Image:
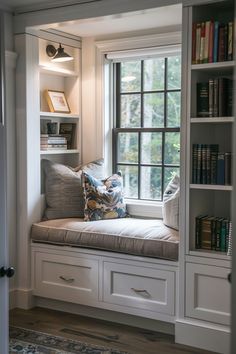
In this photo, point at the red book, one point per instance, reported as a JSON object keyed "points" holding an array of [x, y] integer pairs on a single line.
{"points": [[198, 42], [211, 42], [194, 29]]}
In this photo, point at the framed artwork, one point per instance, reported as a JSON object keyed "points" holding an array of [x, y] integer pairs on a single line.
{"points": [[57, 101]]}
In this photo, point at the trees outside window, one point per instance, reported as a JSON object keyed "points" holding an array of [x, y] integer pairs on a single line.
{"points": [[146, 137]]}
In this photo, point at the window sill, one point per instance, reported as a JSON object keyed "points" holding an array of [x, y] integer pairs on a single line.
{"points": [[142, 208]]}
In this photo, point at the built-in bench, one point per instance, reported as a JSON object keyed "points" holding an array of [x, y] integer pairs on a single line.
{"points": [[127, 265]]}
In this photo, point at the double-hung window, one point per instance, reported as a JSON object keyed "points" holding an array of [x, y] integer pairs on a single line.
{"points": [[146, 133]]}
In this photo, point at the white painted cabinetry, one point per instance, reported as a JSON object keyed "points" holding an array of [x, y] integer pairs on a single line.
{"points": [[204, 303]]}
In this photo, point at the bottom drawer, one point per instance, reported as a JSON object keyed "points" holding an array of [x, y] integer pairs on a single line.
{"points": [[144, 288], [66, 278]]}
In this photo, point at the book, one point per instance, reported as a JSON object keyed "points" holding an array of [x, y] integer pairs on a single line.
{"points": [[194, 29], [211, 42], [206, 42], [68, 130], [198, 230], [198, 42], [215, 97], [229, 95], [206, 233], [202, 42], [230, 41], [228, 164], [211, 97], [213, 164], [222, 44], [220, 179], [194, 163], [216, 41], [202, 99], [203, 178]]}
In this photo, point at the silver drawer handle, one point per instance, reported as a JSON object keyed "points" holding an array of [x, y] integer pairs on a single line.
{"points": [[68, 280], [141, 292]]}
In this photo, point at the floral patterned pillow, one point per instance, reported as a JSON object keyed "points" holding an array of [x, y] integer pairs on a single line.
{"points": [[103, 198]]}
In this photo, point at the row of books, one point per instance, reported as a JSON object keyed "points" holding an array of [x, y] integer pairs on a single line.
{"points": [[52, 142], [60, 134], [212, 233], [212, 42], [209, 166], [215, 98]]}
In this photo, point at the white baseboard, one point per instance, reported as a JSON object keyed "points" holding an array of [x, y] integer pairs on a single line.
{"points": [[106, 315], [21, 298], [203, 335]]}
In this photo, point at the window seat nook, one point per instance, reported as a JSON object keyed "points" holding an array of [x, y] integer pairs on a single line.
{"points": [[127, 265], [126, 235]]}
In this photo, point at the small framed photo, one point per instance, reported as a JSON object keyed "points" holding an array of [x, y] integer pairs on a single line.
{"points": [[57, 101]]}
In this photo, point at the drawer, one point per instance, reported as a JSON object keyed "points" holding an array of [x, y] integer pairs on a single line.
{"points": [[139, 287], [207, 293], [66, 278]]}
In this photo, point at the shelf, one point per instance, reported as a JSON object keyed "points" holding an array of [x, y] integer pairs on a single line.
{"points": [[53, 70], [210, 254], [45, 115], [212, 120], [59, 152], [216, 187], [223, 65]]}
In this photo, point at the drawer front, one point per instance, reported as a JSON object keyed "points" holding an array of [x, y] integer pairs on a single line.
{"points": [[66, 278], [207, 293], [144, 288]]}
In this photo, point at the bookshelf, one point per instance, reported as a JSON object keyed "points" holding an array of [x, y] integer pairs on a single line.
{"points": [[63, 143], [207, 132]]}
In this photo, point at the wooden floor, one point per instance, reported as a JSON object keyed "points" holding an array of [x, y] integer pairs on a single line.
{"points": [[111, 335]]}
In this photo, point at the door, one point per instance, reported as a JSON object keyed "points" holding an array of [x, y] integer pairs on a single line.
{"points": [[3, 239]]}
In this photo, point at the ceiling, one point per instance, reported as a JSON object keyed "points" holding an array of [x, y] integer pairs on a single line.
{"points": [[127, 22], [149, 19]]}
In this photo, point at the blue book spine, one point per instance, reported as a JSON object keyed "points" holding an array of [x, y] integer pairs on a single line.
{"points": [[216, 41]]}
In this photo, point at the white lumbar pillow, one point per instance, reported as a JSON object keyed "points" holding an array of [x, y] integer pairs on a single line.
{"points": [[170, 208]]}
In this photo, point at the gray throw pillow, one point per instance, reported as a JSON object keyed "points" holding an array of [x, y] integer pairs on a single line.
{"points": [[64, 190], [170, 207]]}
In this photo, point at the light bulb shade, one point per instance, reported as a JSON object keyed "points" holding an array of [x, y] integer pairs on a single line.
{"points": [[61, 56]]}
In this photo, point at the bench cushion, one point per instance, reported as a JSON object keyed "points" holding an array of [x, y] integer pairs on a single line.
{"points": [[129, 235]]}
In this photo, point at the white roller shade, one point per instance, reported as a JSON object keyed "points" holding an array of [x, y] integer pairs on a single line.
{"points": [[127, 55]]}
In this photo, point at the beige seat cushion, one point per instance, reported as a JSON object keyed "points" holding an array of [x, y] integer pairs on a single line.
{"points": [[129, 235]]}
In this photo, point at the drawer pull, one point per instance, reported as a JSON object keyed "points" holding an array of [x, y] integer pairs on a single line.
{"points": [[68, 280], [142, 292]]}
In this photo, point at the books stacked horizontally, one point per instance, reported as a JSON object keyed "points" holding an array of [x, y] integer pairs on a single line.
{"points": [[209, 166], [52, 142], [215, 98], [212, 42], [212, 233]]}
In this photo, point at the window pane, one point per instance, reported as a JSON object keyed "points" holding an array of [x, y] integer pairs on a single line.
{"points": [[127, 148], [151, 183], [173, 109], [131, 76], [154, 74], [151, 151], [130, 180], [172, 147], [130, 111], [174, 73], [169, 173], [153, 109]]}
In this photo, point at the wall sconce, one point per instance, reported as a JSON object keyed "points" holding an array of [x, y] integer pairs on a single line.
{"points": [[57, 55]]}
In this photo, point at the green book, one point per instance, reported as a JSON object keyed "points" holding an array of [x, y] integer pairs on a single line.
{"points": [[202, 99]]}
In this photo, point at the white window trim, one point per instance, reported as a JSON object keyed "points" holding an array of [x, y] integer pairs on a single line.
{"points": [[103, 113]]}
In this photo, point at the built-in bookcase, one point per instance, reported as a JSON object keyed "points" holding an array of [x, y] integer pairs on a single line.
{"points": [[64, 77], [211, 198]]}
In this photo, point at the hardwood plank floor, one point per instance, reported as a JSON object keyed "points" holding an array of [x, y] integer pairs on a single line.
{"points": [[93, 331]]}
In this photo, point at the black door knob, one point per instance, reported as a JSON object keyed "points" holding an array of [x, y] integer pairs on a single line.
{"points": [[229, 277], [9, 272]]}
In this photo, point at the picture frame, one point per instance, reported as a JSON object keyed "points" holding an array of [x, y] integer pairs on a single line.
{"points": [[57, 101]]}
